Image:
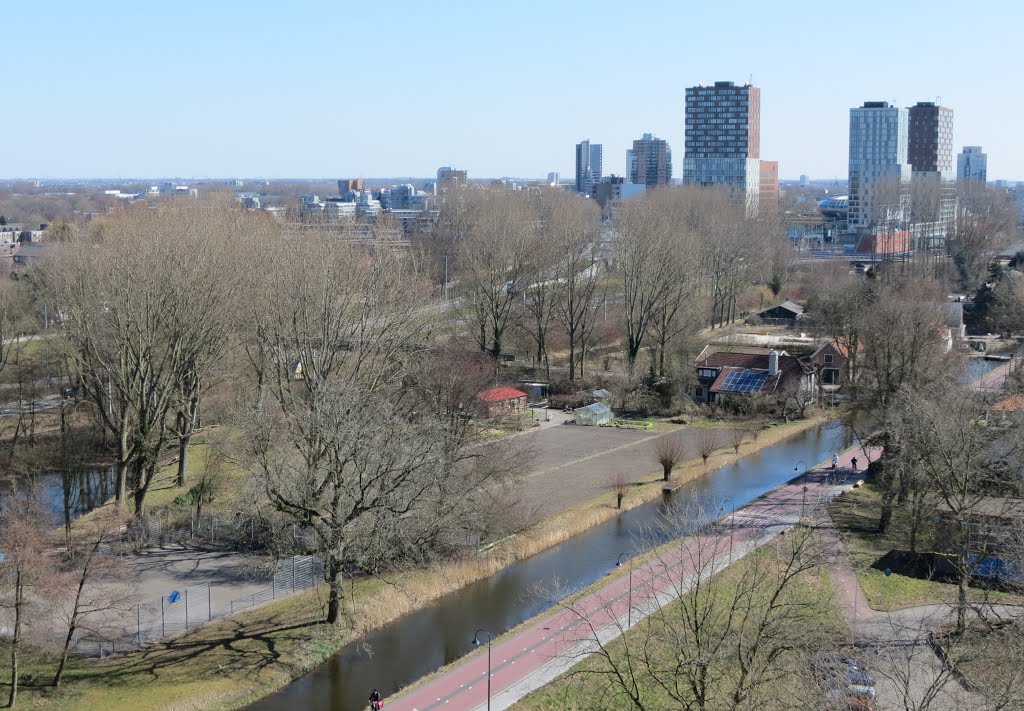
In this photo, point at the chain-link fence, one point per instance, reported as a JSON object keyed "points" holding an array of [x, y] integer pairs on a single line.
{"points": [[193, 607]]}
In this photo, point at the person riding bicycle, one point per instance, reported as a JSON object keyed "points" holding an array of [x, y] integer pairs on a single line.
{"points": [[375, 704]]}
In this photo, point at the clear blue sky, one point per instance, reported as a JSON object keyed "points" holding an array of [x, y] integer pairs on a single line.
{"points": [[358, 89]]}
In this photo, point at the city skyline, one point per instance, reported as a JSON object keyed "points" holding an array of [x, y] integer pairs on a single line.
{"points": [[247, 91]]}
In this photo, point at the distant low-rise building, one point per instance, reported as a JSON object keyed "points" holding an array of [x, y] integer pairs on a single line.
{"points": [[449, 178], [972, 165], [612, 191], [248, 200], [831, 363], [784, 314]]}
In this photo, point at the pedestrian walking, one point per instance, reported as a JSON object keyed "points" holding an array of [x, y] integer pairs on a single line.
{"points": [[835, 460], [854, 463]]}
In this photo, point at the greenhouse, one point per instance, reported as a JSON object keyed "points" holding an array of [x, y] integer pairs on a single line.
{"points": [[596, 414]]}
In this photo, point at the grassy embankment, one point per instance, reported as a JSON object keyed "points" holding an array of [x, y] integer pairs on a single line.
{"points": [[232, 662], [820, 625], [912, 582]]}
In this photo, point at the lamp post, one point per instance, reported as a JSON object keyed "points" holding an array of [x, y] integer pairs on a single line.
{"points": [[732, 523], [477, 642], [629, 611], [803, 503]]}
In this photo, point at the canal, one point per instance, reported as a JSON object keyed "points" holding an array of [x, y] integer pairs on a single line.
{"points": [[417, 644]]}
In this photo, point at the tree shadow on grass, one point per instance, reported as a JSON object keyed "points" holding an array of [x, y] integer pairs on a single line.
{"points": [[910, 565], [227, 649], [232, 648]]}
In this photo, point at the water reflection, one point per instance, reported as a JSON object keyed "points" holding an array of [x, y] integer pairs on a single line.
{"points": [[66, 495]]}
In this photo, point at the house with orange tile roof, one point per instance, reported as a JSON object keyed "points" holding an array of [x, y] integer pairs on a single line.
{"points": [[502, 401]]}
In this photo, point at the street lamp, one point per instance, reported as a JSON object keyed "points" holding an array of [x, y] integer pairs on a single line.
{"points": [[803, 503], [629, 611], [797, 467], [732, 523], [477, 642]]}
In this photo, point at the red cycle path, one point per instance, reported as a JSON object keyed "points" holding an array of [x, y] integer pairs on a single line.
{"points": [[557, 640], [994, 379]]}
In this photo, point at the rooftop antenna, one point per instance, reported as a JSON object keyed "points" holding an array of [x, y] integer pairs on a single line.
{"points": [[750, 79], [938, 100]]}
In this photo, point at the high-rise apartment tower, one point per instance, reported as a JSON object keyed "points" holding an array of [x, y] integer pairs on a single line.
{"points": [[588, 166], [879, 171], [723, 139], [650, 162]]}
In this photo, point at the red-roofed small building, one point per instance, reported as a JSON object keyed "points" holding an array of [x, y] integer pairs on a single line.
{"points": [[502, 401], [1013, 403]]}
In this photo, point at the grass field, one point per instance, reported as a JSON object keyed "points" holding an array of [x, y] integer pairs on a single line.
{"points": [[912, 581]]}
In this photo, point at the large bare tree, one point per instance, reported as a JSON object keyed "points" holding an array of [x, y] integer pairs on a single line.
{"points": [[642, 241], [347, 443], [986, 220], [574, 230], [143, 300], [495, 261], [708, 639]]}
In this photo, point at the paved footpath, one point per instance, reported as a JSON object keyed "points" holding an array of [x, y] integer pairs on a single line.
{"points": [[994, 379], [543, 649]]}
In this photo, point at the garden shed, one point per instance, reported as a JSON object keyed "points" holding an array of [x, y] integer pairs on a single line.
{"points": [[593, 415]]}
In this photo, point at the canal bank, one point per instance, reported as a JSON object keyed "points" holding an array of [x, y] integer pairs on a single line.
{"points": [[233, 662], [420, 642]]}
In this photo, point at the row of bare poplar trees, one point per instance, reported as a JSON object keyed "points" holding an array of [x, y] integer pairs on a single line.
{"points": [[543, 261]]}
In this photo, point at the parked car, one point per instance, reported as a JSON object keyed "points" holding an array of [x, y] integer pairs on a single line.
{"points": [[860, 677], [862, 692]]}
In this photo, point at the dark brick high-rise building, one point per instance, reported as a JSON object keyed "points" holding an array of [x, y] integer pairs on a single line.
{"points": [[933, 191], [930, 147], [723, 139]]}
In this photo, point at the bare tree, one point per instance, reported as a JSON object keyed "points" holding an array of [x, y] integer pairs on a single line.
{"points": [[619, 484], [737, 436], [967, 465], [985, 222], [26, 571], [838, 310], [141, 323], [707, 641], [87, 574], [707, 443], [574, 228], [354, 451], [642, 245], [669, 451], [494, 261], [680, 315]]}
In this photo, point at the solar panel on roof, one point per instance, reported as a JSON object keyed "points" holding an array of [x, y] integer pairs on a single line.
{"points": [[743, 381]]}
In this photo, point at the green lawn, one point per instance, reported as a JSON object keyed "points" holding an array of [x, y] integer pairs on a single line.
{"points": [[912, 581], [220, 666]]}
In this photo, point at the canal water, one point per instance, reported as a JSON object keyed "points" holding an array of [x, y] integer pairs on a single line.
{"points": [[974, 368], [66, 495], [419, 643]]}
